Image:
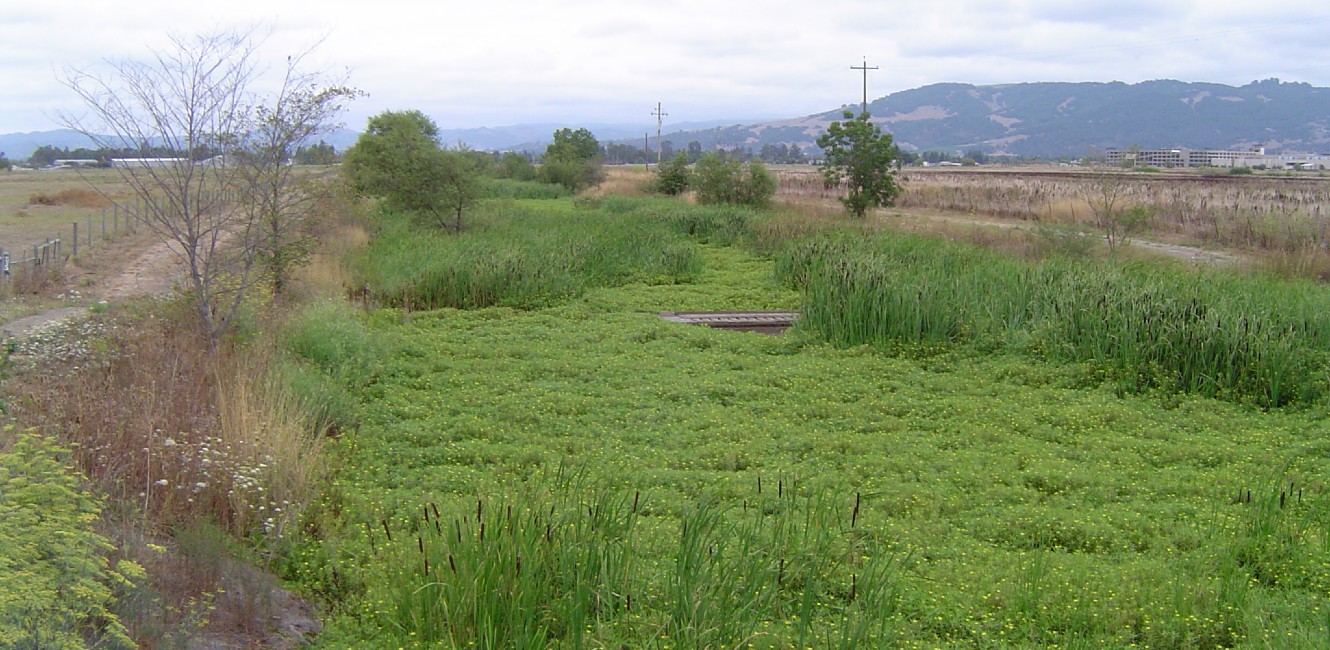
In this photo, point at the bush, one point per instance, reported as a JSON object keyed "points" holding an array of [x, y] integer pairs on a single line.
{"points": [[515, 166], [1240, 171], [673, 176], [574, 175], [718, 180], [53, 589]]}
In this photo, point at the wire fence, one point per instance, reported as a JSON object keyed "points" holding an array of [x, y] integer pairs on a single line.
{"points": [[79, 237]]}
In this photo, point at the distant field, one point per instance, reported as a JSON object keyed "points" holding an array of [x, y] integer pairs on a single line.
{"points": [[40, 205], [1256, 212]]}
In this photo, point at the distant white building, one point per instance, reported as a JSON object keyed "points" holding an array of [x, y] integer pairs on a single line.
{"points": [[1217, 158], [146, 162], [75, 162], [215, 161]]}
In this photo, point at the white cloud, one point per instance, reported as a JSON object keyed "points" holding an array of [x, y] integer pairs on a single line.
{"points": [[506, 61]]}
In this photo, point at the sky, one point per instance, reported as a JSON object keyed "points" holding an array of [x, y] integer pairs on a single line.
{"points": [[500, 62]]}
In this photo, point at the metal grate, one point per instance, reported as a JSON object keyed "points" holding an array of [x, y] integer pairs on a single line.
{"points": [[768, 322]]}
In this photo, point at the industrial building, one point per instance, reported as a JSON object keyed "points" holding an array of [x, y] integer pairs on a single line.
{"points": [[1217, 158]]}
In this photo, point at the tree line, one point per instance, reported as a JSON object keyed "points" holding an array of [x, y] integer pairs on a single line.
{"points": [[319, 153]]}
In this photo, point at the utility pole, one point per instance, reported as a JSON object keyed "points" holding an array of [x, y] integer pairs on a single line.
{"points": [[865, 68], [660, 117], [646, 151]]}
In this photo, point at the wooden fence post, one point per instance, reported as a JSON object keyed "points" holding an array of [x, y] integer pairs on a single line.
{"points": [[76, 238]]}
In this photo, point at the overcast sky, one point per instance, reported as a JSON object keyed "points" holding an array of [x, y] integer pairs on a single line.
{"points": [[499, 62]]}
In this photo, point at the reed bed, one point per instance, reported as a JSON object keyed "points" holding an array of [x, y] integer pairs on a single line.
{"points": [[518, 257], [1208, 332], [559, 564]]}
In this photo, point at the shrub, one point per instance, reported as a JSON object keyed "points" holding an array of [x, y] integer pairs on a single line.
{"points": [[574, 175], [673, 176], [54, 588], [718, 180], [515, 166]]}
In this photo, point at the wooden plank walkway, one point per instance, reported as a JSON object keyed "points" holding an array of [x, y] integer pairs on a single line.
{"points": [[765, 322]]}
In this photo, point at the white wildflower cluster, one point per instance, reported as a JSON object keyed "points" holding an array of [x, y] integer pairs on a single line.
{"points": [[213, 466], [69, 339], [72, 295]]}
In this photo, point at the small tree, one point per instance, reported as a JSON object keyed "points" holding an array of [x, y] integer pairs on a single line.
{"points": [[860, 155], [281, 202], [193, 102], [5, 163], [673, 176], [515, 166], [573, 160], [1106, 194], [398, 159]]}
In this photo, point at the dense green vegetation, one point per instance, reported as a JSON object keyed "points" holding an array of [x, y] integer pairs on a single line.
{"points": [[1211, 332], [521, 256], [55, 584], [565, 469]]}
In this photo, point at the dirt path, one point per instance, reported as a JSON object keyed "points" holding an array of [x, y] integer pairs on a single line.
{"points": [[152, 271], [1180, 251], [283, 620]]}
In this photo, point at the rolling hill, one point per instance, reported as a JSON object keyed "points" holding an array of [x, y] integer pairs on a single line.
{"points": [[1071, 119]]}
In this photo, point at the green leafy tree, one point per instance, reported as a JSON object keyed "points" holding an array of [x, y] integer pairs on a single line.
{"points": [[320, 153], [398, 160], [572, 144], [673, 176], [515, 166], [860, 155], [573, 160], [44, 156], [723, 180], [694, 151]]}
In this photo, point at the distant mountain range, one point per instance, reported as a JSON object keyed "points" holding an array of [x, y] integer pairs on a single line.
{"points": [[1031, 119], [519, 137], [1071, 119]]}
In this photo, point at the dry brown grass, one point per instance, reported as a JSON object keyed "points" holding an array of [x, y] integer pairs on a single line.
{"points": [[184, 435], [81, 197], [1261, 213], [623, 180], [326, 276], [1311, 263]]}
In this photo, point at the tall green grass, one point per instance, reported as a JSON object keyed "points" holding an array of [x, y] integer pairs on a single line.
{"points": [[1211, 332], [517, 256], [510, 188], [723, 224], [570, 566]]}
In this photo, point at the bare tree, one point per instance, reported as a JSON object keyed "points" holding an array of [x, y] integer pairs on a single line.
{"points": [[280, 202], [223, 196], [1107, 195]]}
